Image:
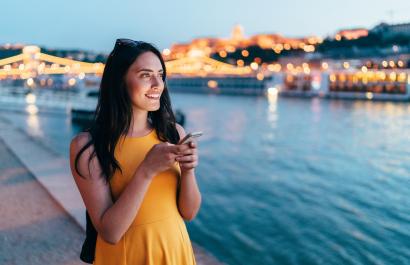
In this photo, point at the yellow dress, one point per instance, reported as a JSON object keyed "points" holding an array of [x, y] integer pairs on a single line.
{"points": [[158, 235]]}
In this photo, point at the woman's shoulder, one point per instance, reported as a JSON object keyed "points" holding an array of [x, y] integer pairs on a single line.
{"points": [[79, 141], [81, 138]]}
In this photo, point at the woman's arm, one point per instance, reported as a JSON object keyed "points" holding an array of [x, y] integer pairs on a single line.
{"points": [[110, 219], [189, 199]]}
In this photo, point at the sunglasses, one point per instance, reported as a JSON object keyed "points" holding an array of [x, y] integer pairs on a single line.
{"points": [[122, 43], [127, 42]]}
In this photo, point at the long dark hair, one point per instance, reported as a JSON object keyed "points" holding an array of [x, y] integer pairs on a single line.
{"points": [[113, 114]]}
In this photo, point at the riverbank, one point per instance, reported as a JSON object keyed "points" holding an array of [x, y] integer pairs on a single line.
{"points": [[42, 212]]}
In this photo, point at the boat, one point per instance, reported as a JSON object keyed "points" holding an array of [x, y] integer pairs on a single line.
{"points": [[391, 85], [387, 85]]}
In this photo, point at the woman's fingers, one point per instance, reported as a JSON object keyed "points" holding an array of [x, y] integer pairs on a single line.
{"points": [[186, 158], [188, 152], [188, 165]]}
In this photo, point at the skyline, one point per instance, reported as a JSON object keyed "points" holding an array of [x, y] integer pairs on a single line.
{"points": [[77, 25]]}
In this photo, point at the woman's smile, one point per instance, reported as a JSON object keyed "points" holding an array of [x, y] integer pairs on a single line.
{"points": [[153, 96]]}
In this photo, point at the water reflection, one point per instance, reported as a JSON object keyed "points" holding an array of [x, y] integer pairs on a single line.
{"points": [[272, 109], [33, 125]]}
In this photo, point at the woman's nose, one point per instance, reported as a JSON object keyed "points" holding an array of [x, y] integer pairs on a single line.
{"points": [[156, 81]]}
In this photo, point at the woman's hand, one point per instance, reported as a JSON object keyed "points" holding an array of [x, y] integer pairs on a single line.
{"points": [[188, 158], [161, 157]]}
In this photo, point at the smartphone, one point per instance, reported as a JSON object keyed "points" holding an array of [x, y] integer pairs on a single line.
{"points": [[189, 137]]}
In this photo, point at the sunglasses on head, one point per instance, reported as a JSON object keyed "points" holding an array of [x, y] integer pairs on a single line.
{"points": [[127, 42]]}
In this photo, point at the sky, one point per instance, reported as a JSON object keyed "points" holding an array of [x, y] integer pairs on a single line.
{"points": [[94, 25]]}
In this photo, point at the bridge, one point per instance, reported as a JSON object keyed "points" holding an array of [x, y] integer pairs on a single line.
{"points": [[32, 63]]}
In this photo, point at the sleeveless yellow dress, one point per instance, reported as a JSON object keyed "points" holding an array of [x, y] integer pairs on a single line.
{"points": [[158, 235]]}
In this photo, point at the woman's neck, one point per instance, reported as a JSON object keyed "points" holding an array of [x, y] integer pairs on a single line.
{"points": [[139, 123]]}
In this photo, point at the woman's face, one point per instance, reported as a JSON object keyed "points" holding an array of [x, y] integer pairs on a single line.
{"points": [[144, 82]]}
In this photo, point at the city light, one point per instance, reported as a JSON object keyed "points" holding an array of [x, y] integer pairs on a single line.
{"points": [[254, 66], [212, 84], [223, 54], [346, 65], [369, 95], [71, 82], [166, 52], [30, 82]]}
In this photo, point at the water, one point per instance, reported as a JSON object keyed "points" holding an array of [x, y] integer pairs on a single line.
{"points": [[290, 181]]}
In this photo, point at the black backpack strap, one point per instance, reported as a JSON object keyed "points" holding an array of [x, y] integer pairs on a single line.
{"points": [[88, 249]]}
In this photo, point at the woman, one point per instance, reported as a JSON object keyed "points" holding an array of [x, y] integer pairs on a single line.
{"points": [[136, 182]]}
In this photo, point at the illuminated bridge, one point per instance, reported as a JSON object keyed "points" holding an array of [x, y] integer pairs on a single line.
{"points": [[32, 63]]}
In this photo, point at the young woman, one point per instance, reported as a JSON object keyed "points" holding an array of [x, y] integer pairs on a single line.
{"points": [[137, 183]]}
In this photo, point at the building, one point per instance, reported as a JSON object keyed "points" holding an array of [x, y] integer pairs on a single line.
{"points": [[389, 31], [238, 41], [351, 34]]}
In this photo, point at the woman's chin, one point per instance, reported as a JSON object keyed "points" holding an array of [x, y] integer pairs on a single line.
{"points": [[153, 108]]}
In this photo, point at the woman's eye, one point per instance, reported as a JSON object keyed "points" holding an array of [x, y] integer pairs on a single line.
{"points": [[145, 75]]}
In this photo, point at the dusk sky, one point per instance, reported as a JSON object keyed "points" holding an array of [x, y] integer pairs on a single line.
{"points": [[94, 25]]}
